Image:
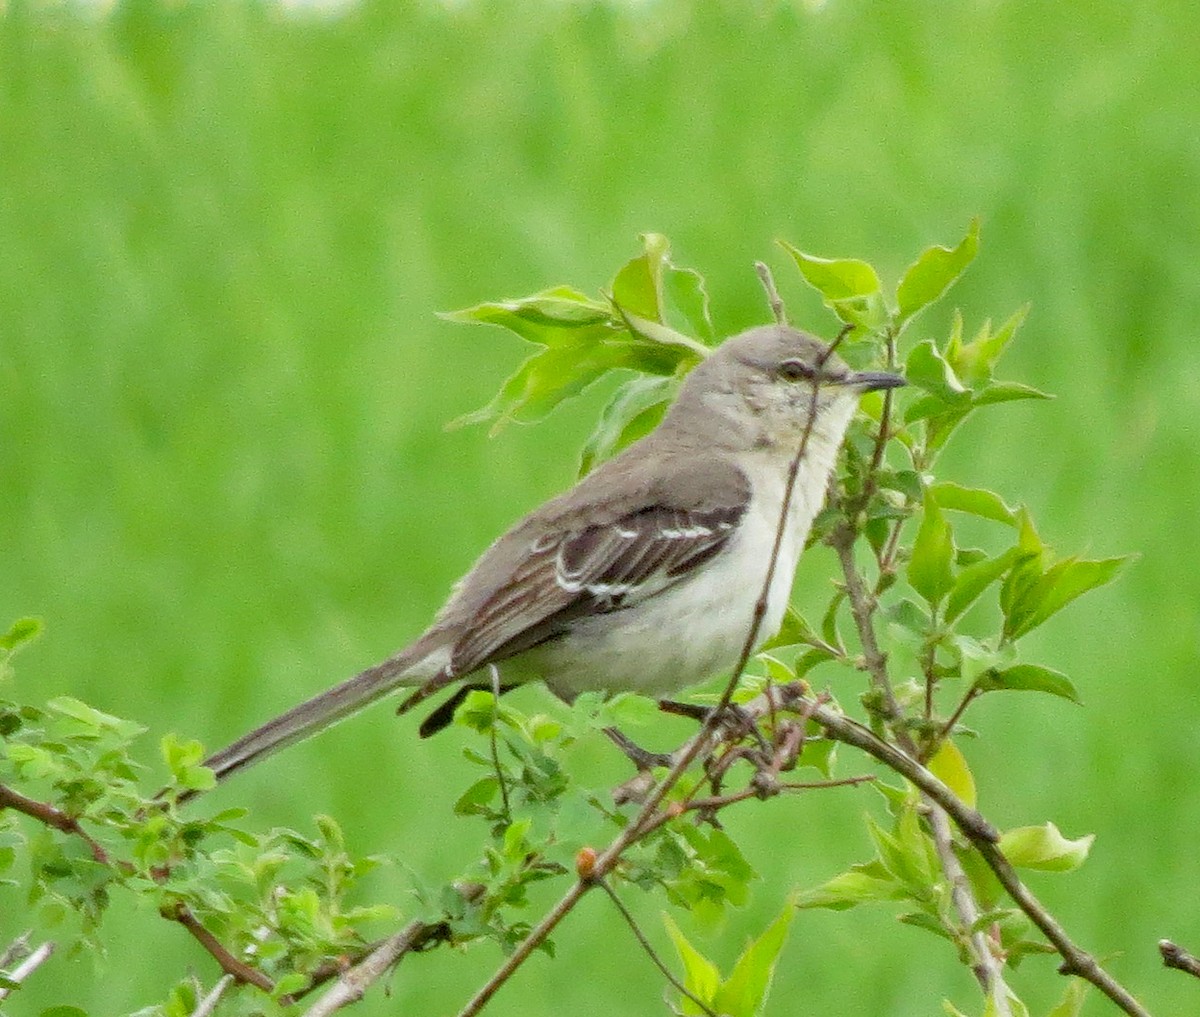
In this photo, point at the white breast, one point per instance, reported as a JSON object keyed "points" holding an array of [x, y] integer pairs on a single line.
{"points": [[699, 626]]}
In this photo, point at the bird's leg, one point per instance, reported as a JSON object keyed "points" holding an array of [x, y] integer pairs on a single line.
{"points": [[643, 759]]}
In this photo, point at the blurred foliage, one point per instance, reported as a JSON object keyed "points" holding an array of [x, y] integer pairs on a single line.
{"points": [[226, 231]]}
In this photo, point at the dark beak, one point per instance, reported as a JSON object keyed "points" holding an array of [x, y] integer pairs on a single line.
{"points": [[869, 381]]}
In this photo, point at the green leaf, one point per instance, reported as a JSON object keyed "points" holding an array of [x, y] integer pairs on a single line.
{"points": [[850, 287], [89, 720], [927, 369], [637, 287], [634, 411], [1056, 588], [934, 272], [743, 993], [701, 976], [950, 767], [795, 629], [548, 318], [973, 500], [477, 798], [1030, 678], [685, 292], [1045, 848], [930, 568], [1071, 1004], [860, 885], [1007, 392], [20, 632], [974, 579], [975, 361]]}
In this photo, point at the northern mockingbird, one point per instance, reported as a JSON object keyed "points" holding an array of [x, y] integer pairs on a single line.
{"points": [[643, 576]]}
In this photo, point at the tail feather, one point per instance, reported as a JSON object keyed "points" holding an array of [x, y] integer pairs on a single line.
{"points": [[318, 713]]}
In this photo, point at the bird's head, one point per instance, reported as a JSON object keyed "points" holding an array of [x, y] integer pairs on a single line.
{"points": [[764, 385]]}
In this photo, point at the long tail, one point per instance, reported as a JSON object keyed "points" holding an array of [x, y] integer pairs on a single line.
{"points": [[315, 715]]}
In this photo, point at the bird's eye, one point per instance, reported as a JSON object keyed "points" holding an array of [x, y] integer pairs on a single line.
{"points": [[795, 370]]}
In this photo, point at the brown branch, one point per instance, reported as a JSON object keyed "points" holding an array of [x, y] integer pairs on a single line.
{"points": [[1075, 960], [233, 966], [47, 814], [984, 837], [1175, 956]]}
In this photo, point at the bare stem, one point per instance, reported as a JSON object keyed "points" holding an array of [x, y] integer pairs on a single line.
{"points": [[28, 966], [862, 607], [1175, 956], [349, 988], [778, 311], [987, 967]]}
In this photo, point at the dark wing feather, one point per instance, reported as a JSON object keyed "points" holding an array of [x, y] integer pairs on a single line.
{"points": [[571, 575]]}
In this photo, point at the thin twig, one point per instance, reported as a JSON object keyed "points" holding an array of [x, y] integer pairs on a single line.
{"points": [[778, 311], [650, 951], [28, 966], [1175, 956], [208, 1004], [862, 606], [987, 967], [231, 965], [496, 693], [47, 814], [16, 951], [349, 988], [948, 728]]}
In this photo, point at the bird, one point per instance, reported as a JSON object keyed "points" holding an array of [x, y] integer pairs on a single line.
{"points": [[644, 576]]}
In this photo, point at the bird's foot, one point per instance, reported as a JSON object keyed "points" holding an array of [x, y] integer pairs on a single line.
{"points": [[643, 759], [736, 721]]}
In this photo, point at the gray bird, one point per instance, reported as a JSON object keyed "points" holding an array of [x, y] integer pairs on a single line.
{"points": [[643, 576]]}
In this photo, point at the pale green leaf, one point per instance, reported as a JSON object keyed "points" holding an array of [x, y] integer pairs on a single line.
{"points": [[1045, 848], [934, 272], [927, 369], [1007, 392], [701, 976], [635, 409], [20, 632], [850, 287], [950, 767], [930, 568], [685, 292], [859, 885], [637, 288], [1071, 1004], [743, 993], [971, 582], [1056, 588], [975, 361], [973, 500]]}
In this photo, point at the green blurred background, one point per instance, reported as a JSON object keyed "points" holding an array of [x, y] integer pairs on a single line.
{"points": [[225, 232]]}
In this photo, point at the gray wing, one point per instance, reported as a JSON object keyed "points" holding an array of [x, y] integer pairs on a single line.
{"points": [[569, 575]]}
